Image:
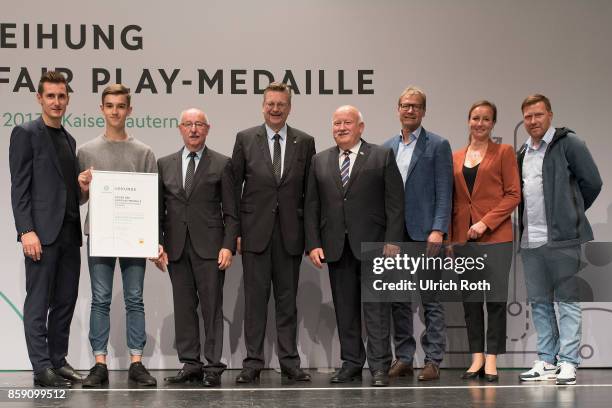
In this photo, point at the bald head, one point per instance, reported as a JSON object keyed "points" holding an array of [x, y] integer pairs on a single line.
{"points": [[194, 128], [193, 111], [347, 126]]}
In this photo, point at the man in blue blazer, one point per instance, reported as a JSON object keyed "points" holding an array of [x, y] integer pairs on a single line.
{"points": [[426, 164], [45, 200]]}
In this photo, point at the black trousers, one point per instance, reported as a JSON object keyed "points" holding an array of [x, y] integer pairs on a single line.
{"points": [[499, 260], [345, 281], [272, 267], [52, 286], [197, 280]]}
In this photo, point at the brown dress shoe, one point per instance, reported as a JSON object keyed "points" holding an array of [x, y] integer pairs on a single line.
{"points": [[400, 369], [430, 372]]}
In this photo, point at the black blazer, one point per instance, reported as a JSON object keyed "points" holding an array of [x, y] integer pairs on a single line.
{"points": [[38, 189], [261, 197], [209, 212], [370, 209]]}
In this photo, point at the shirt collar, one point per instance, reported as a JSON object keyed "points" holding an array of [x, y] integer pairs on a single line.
{"points": [[282, 133], [198, 153], [546, 139], [414, 135], [354, 149]]}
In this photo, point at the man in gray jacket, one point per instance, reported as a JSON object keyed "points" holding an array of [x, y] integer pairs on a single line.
{"points": [[560, 181]]}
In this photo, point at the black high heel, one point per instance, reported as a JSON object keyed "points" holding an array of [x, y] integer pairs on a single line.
{"points": [[491, 377], [470, 375]]}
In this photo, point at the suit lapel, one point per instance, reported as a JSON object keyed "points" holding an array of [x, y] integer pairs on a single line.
{"points": [[334, 169], [460, 160], [201, 170], [485, 163], [178, 166], [290, 146], [362, 157], [262, 142], [421, 144]]}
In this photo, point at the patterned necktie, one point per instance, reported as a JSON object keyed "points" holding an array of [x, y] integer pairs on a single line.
{"points": [[190, 172], [344, 169], [276, 160]]}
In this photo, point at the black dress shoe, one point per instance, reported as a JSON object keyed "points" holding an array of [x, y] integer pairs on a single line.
{"points": [[69, 373], [98, 376], [295, 374], [185, 376], [471, 375], [212, 379], [346, 374], [140, 375], [248, 376], [48, 378], [380, 378]]}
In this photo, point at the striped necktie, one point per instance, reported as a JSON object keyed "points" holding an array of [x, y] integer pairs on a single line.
{"points": [[344, 169]]}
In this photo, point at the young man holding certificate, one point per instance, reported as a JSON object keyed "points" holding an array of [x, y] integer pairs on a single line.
{"points": [[115, 150]]}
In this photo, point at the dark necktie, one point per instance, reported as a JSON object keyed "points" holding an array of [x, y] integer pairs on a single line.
{"points": [[344, 169], [276, 160], [190, 172]]}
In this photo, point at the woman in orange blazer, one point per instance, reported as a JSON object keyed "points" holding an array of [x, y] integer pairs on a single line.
{"points": [[486, 192]]}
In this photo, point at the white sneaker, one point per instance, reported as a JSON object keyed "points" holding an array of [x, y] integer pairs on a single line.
{"points": [[567, 374], [541, 371]]}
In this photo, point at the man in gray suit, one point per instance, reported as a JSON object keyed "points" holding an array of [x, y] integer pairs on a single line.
{"points": [[199, 225], [426, 163], [354, 196], [270, 165]]}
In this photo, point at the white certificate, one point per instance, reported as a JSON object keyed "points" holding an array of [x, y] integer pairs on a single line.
{"points": [[123, 214]]}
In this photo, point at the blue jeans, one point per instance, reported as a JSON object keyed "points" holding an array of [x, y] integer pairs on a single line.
{"points": [[549, 276], [434, 340], [101, 271]]}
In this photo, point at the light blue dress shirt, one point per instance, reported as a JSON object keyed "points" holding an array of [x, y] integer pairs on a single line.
{"points": [[186, 159], [535, 232], [283, 140], [405, 151]]}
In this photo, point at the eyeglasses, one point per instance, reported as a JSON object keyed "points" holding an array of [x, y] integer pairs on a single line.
{"points": [[198, 125], [414, 106]]}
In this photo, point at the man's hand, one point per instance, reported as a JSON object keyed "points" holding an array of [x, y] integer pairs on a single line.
{"points": [[225, 259], [390, 250], [477, 230], [162, 259], [31, 246], [316, 255], [434, 243], [238, 247], [85, 179]]}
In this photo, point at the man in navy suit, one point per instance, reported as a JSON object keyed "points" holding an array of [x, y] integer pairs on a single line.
{"points": [[270, 164], [426, 163], [45, 200]]}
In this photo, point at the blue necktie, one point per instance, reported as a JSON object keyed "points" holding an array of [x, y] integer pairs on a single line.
{"points": [[344, 169]]}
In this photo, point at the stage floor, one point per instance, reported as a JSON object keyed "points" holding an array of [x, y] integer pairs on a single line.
{"points": [[594, 389]]}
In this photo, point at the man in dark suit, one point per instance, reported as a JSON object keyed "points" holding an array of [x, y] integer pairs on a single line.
{"points": [[45, 200], [354, 196], [199, 224], [271, 164], [425, 161]]}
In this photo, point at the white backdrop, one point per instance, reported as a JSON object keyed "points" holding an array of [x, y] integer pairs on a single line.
{"points": [[457, 52]]}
